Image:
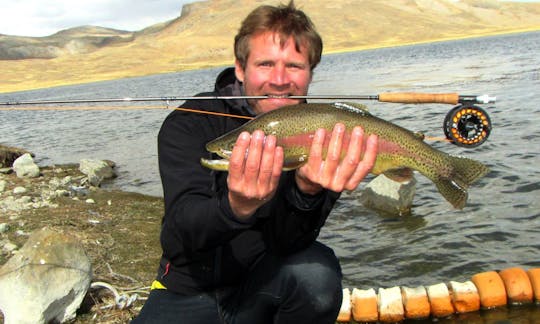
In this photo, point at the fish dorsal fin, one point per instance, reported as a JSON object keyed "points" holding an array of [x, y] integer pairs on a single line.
{"points": [[353, 107], [419, 135]]}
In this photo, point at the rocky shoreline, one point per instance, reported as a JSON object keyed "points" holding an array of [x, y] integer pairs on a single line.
{"points": [[118, 230]]}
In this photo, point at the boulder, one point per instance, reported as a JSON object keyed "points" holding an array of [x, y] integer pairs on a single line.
{"points": [[46, 280], [9, 154], [388, 195], [25, 167], [96, 170]]}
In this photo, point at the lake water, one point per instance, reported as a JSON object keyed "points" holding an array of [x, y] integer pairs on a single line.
{"points": [[499, 228]]}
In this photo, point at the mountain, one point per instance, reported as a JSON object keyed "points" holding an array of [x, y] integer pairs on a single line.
{"points": [[202, 36], [79, 40]]}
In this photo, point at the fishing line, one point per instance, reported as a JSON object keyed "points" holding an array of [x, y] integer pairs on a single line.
{"points": [[102, 108]]}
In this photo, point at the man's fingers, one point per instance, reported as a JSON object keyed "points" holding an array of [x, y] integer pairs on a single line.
{"points": [[276, 170], [316, 151], [266, 168], [238, 155], [333, 157], [366, 164]]}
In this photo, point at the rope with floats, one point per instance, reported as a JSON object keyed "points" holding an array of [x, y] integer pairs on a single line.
{"points": [[466, 125], [486, 290]]}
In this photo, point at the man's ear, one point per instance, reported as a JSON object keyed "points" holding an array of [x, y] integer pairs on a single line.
{"points": [[239, 71]]}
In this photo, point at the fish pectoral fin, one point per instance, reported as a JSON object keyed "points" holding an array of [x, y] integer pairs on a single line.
{"points": [[218, 165], [399, 174], [292, 162]]}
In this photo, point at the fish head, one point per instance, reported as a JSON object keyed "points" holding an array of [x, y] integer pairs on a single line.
{"points": [[222, 146]]}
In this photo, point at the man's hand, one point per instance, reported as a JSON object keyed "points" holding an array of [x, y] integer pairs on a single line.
{"points": [[254, 171], [333, 172]]}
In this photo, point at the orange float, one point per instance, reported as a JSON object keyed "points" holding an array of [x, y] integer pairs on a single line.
{"points": [[439, 299], [534, 277], [344, 314], [465, 297], [518, 286], [490, 288], [364, 305], [390, 305], [415, 302]]}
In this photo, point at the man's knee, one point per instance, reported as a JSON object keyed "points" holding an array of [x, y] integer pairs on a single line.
{"points": [[312, 280], [315, 272]]}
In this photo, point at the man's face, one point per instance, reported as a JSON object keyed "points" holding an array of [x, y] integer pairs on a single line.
{"points": [[274, 70]]}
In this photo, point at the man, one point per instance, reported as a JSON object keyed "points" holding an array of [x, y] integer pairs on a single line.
{"points": [[240, 246]]}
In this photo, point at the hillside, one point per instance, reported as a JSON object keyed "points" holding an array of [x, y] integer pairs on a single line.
{"points": [[202, 36]]}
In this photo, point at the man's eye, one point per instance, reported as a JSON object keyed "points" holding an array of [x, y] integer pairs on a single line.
{"points": [[295, 66]]}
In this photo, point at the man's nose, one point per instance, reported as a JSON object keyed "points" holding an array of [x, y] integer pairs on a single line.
{"points": [[279, 76]]}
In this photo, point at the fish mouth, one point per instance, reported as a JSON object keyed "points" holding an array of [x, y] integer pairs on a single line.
{"points": [[223, 153]]}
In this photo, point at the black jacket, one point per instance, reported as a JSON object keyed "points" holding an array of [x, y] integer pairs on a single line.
{"points": [[205, 246]]}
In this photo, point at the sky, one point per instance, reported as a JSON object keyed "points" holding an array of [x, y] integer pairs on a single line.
{"points": [[43, 18]]}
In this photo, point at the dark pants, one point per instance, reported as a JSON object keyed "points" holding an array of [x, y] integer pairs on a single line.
{"points": [[301, 288]]}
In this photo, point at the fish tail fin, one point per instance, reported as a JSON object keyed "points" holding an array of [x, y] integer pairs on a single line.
{"points": [[454, 193], [464, 172]]}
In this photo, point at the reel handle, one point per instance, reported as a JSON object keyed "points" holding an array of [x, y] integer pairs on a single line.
{"points": [[414, 97]]}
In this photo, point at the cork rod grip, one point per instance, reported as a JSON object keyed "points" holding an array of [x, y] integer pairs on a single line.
{"points": [[413, 97]]}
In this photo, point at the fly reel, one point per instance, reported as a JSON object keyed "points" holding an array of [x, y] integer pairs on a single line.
{"points": [[467, 125]]}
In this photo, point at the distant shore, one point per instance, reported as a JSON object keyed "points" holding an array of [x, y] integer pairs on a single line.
{"points": [[435, 40], [30, 84]]}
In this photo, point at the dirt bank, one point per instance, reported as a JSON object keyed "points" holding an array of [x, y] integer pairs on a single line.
{"points": [[119, 230]]}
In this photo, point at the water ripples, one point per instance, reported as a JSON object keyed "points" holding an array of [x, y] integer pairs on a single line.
{"points": [[498, 228]]}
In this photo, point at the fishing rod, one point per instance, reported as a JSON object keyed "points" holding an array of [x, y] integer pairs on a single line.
{"points": [[466, 125], [391, 97]]}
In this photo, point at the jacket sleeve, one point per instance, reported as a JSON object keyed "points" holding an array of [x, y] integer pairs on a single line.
{"points": [[197, 217]]}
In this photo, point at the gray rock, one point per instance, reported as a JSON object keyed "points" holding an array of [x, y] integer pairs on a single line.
{"points": [[25, 167], [96, 171], [61, 193], [6, 170], [19, 190], [9, 247], [66, 181], [54, 183], [46, 280], [9, 154], [9, 204], [4, 228], [389, 196], [3, 184]]}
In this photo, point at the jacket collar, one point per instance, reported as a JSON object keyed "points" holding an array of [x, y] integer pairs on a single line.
{"points": [[228, 85]]}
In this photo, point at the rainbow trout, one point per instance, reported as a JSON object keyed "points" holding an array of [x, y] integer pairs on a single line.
{"points": [[399, 148]]}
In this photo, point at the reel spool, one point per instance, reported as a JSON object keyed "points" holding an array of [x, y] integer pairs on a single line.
{"points": [[467, 125]]}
